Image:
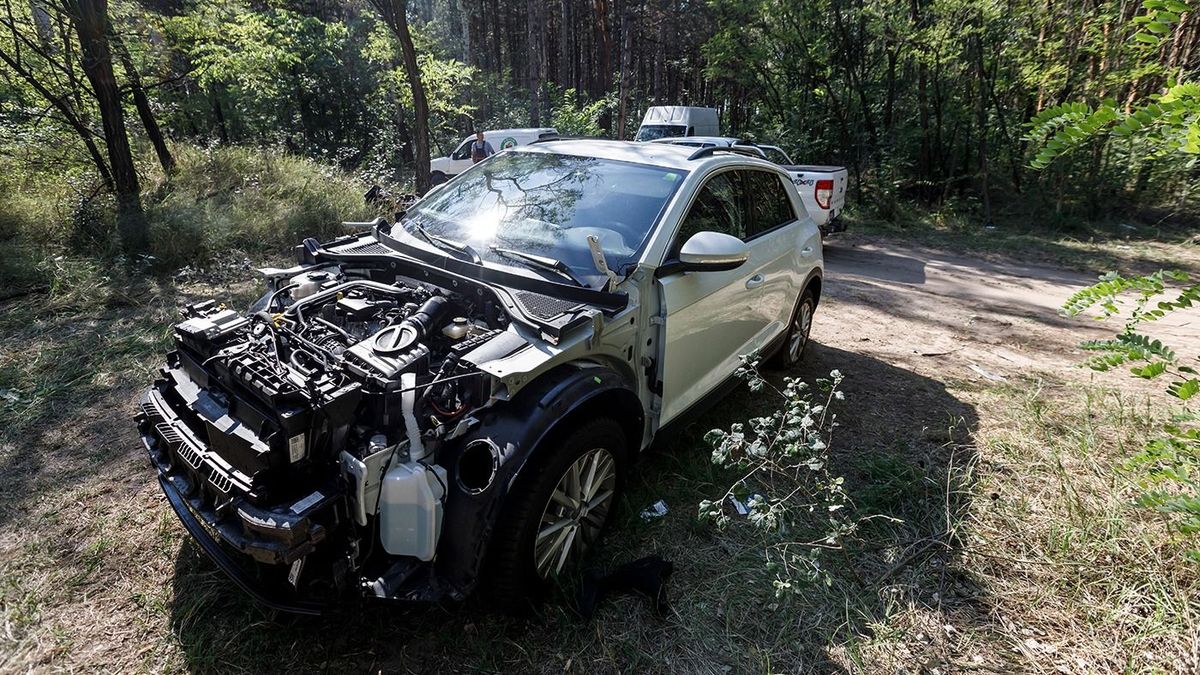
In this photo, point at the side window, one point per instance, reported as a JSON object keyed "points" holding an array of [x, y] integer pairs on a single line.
{"points": [[768, 202], [463, 151], [718, 208]]}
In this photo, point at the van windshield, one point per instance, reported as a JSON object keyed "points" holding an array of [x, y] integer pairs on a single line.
{"points": [[650, 132], [548, 205]]}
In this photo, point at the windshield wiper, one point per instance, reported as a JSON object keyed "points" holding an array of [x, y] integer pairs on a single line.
{"points": [[540, 262], [448, 244]]}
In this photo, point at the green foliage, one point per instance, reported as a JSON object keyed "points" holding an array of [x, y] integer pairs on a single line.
{"points": [[247, 200], [786, 493], [221, 200], [572, 119], [1162, 124], [1169, 466], [1063, 128], [1159, 19]]}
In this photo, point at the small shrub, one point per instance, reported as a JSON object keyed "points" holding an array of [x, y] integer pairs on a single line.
{"points": [[786, 495], [1169, 466]]}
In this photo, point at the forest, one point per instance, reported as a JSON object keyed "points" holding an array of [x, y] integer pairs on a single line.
{"points": [[935, 105]]}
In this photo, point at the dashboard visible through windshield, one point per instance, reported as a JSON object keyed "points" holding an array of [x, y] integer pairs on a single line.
{"points": [[527, 210]]}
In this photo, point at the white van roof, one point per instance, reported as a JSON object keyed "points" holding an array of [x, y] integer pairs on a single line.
{"points": [[677, 114]]}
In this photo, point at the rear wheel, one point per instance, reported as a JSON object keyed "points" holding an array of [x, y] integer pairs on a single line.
{"points": [[796, 341], [558, 511]]}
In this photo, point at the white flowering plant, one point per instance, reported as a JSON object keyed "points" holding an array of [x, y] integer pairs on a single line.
{"points": [[786, 492]]}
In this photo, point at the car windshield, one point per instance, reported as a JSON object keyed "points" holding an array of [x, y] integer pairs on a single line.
{"points": [[547, 205], [651, 132]]}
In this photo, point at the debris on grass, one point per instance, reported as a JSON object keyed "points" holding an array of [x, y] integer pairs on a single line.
{"points": [[655, 511]]}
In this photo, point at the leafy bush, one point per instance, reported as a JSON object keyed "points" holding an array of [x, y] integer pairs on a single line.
{"points": [[247, 199], [570, 119], [786, 493], [258, 201], [1170, 464]]}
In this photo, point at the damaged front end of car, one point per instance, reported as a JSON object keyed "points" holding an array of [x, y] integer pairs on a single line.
{"points": [[355, 432]]}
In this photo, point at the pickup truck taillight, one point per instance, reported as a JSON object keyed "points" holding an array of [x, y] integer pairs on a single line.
{"points": [[823, 193]]}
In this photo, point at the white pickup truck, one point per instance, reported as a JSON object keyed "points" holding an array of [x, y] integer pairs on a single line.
{"points": [[821, 188]]}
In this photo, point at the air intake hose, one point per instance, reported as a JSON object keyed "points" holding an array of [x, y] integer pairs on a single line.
{"points": [[420, 323]]}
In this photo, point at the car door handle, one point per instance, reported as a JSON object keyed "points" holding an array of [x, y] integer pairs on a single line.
{"points": [[806, 250], [755, 281]]}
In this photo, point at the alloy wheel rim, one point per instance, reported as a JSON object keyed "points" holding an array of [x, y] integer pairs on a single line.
{"points": [[800, 327], [575, 512]]}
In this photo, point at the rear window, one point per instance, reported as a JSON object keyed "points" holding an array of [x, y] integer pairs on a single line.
{"points": [[651, 132]]}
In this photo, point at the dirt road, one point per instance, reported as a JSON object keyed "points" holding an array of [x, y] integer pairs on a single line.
{"points": [[919, 308]]}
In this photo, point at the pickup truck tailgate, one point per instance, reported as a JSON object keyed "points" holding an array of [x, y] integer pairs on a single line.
{"points": [[823, 191]]}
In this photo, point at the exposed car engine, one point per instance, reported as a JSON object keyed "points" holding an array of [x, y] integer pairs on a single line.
{"points": [[325, 372]]}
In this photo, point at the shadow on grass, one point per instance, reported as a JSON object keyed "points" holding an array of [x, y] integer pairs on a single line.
{"points": [[903, 444]]}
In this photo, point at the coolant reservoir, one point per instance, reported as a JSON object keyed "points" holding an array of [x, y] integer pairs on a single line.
{"points": [[410, 509], [308, 283], [457, 329]]}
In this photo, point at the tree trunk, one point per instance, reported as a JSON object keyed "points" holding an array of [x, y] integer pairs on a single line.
{"points": [[981, 111], [536, 26], [394, 14], [91, 24], [626, 65], [143, 105], [603, 79]]}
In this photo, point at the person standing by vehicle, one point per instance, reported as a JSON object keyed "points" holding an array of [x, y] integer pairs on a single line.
{"points": [[481, 149]]}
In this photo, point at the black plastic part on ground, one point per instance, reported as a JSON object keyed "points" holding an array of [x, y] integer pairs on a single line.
{"points": [[646, 576]]}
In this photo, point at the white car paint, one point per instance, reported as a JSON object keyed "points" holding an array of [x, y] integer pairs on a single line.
{"points": [[678, 121], [691, 326]]}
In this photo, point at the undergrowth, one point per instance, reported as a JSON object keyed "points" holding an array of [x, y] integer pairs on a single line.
{"points": [[255, 201]]}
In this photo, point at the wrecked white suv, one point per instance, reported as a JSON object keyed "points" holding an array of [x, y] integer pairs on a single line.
{"points": [[457, 397]]}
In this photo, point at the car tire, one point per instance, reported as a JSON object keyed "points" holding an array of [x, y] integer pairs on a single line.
{"points": [[437, 178], [523, 559], [795, 341]]}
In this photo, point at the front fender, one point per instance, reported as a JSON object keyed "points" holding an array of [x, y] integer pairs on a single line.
{"points": [[515, 433]]}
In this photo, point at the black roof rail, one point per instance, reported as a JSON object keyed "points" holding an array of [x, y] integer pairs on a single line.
{"points": [[747, 150]]}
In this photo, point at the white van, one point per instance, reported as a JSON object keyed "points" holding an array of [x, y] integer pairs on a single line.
{"points": [[443, 169], [674, 121]]}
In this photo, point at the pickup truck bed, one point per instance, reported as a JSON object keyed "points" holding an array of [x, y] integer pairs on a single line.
{"points": [[823, 191]]}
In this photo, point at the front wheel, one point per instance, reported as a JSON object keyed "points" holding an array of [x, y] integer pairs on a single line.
{"points": [[437, 178], [558, 511], [796, 340]]}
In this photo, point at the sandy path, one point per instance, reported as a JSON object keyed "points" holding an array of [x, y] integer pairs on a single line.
{"points": [[923, 309]]}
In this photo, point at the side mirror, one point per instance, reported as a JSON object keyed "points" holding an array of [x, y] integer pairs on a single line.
{"points": [[713, 252]]}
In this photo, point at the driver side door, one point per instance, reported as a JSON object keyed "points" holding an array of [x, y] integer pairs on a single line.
{"points": [[712, 317]]}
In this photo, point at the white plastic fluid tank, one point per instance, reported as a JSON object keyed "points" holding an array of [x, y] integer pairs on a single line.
{"points": [[410, 509]]}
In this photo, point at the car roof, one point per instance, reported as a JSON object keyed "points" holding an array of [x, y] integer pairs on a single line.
{"points": [[655, 154], [527, 130], [715, 140]]}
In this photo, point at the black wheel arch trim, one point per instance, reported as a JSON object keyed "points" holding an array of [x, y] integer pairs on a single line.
{"points": [[521, 429]]}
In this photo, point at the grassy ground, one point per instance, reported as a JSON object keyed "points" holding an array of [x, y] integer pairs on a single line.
{"points": [[1012, 543], [1018, 547]]}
